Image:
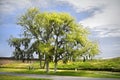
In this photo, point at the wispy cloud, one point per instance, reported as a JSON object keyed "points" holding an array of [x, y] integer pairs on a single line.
{"points": [[105, 15], [101, 16], [9, 6], [83, 5], [111, 30]]}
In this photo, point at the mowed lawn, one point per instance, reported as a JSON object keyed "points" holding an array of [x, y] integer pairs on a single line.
{"points": [[80, 73], [8, 77], [109, 68], [99, 65]]}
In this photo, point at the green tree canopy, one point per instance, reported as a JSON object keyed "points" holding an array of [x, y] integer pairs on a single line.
{"points": [[56, 35]]}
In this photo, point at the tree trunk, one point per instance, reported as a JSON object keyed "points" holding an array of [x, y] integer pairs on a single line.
{"points": [[55, 67], [40, 58], [43, 67], [23, 60], [55, 53], [47, 66], [44, 62], [84, 59]]}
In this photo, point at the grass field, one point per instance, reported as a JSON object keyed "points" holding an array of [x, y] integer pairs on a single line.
{"points": [[109, 68], [83, 73], [8, 77], [99, 65]]}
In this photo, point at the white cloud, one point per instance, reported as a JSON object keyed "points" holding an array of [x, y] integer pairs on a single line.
{"points": [[103, 20], [108, 21], [10, 6], [82, 5], [111, 30], [16, 7], [109, 15], [105, 12], [117, 45]]}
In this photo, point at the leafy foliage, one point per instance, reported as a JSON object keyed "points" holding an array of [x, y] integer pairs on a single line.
{"points": [[57, 36]]}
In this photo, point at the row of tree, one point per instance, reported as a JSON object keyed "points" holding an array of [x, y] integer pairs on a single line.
{"points": [[54, 36]]}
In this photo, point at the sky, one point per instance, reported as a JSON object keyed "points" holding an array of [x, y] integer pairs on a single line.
{"points": [[101, 17]]}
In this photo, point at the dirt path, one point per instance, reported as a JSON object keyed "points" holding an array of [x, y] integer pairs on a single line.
{"points": [[55, 77]]}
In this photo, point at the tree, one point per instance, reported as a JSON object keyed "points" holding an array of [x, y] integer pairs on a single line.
{"points": [[63, 31], [35, 47], [28, 53], [94, 50], [56, 36], [15, 42], [31, 22], [20, 43]]}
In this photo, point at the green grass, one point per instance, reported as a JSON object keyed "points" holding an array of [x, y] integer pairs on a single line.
{"points": [[8, 77], [99, 65], [109, 68], [81, 73], [20, 65]]}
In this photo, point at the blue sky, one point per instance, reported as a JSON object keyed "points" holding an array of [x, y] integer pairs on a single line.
{"points": [[101, 17]]}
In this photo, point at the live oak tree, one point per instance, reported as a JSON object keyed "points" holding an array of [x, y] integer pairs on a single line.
{"points": [[56, 36]]}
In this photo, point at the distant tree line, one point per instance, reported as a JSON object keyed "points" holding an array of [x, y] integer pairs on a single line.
{"points": [[52, 36]]}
